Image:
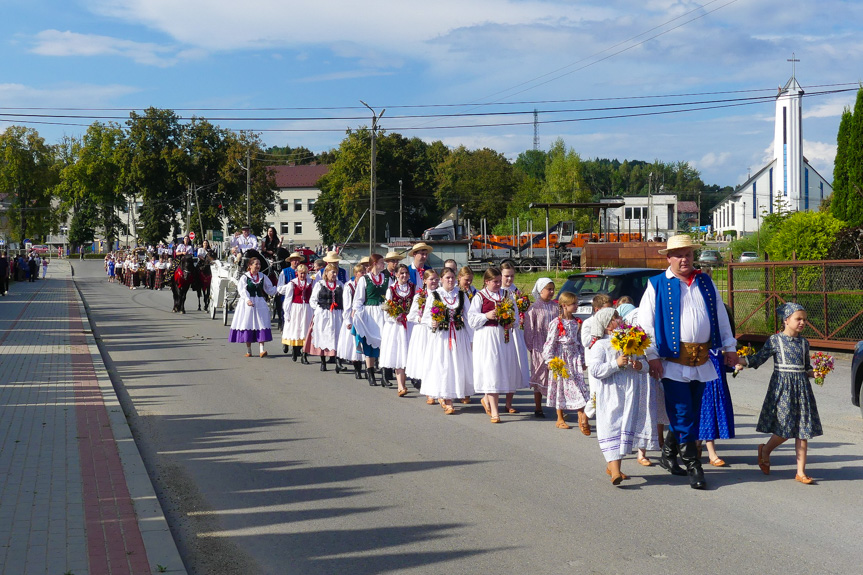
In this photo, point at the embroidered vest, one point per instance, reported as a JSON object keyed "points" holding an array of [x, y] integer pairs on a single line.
{"points": [[375, 295], [328, 297], [301, 296], [405, 301], [667, 327], [455, 315], [490, 305], [255, 289]]}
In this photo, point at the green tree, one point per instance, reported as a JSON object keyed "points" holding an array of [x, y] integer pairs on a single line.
{"points": [[564, 183], [482, 181], [28, 174], [839, 198], [809, 235], [854, 165], [231, 193], [532, 163], [154, 176]]}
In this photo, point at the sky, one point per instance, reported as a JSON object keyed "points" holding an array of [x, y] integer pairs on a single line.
{"points": [[465, 72]]}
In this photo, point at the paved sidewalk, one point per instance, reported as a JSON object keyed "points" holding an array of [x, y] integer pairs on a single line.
{"points": [[74, 495]]}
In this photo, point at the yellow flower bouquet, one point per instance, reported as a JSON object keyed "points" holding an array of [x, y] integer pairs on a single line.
{"points": [[630, 340], [505, 316], [557, 367], [744, 351]]}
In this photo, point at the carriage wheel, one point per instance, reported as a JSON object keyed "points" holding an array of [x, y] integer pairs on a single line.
{"points": [[225, 310]]}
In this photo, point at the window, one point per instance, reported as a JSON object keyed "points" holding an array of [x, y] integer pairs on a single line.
{"points": [[298, 205], [733, 211], [311, 203], [285, 228], [628, 214], [635, 213], [284, 205], [298, 228]]}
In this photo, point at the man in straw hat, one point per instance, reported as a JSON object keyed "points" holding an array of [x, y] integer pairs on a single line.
{"points": [[392, 259], [332, 257], [683, 314], [420, 253]]}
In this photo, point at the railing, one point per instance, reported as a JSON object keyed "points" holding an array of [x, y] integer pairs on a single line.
{"points": [[830, 291]]}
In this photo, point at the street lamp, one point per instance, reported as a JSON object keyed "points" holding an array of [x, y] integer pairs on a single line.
{"points": [[373, 183]]}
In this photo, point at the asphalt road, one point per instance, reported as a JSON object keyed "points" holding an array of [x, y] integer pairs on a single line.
{"points": [[268, 466]]}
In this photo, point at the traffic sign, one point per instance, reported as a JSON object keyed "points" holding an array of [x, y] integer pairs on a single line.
{"points": [[191, 235]]}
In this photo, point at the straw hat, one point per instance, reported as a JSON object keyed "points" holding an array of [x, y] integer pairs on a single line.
{"points": [[396, 256], [421, 246], [679, 242], [295, 256], [332, 258], [365, 260]]}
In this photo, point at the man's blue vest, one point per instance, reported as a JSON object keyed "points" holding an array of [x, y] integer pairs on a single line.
{"points": [[667, 325]]}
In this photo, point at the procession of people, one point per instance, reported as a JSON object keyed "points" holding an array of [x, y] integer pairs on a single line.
{"points": [[409, 326]]}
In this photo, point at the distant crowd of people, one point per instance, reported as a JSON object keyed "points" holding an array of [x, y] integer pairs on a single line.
{"points": [[21, 268]]}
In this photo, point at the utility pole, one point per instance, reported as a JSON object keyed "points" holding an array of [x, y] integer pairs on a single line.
{"points": [[401, 214], [373, 183], [248, 190]]}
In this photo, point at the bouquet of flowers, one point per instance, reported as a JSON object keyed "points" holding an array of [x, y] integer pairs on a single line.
{"points": [[822, 364], [393, 309], [557, 367], [744, 351], [421, 300], [523, 304], [505, 316], [630, 340], [438, 314]]}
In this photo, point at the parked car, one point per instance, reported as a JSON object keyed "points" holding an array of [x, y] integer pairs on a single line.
{"points": [[614, 282], [710, 258], [40, 249], [749, 257], [857, 376]]}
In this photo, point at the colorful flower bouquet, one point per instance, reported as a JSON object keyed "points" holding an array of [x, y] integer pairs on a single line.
{"points": [[523, 304], [421, 300], [744, 351], [630, 340], [822, 364], [393, 309], [438, 314], [557, 367], [505, 316]]}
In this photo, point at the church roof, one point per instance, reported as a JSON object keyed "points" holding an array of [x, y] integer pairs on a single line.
{"points": [[791, 86]]}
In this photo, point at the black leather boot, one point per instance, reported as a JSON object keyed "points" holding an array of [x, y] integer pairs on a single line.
{"points": [[668, 459], [417, 383], [689, 456], [337, 363], [295, 352], [323, 363], [370, 375], [285, 348], [358, 369], [304, 359]]}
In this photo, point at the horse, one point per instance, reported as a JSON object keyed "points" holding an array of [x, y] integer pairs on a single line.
{"points": [[181, 278], [202, 280]]}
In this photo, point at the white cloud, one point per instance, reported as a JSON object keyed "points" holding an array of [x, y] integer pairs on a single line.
{"points": [[57, 43], [712, 160], [65, 95], [829, 108], [819, 154]]}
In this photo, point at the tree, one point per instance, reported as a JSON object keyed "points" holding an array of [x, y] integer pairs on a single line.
{"points": [[91, 181], [154, 140], [532, 164], [28, 174], [854, 165], [839, 198], [564, 183], [809, 235], [232, 193], [482, 181]]}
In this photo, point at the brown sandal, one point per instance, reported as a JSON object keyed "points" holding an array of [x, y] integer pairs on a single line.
{"points": [[402, 392], [717, 462], [562, 425], [804, 479], [763, 463], [485, 406], [449, 410], [430, 401], [622, 474], [511, 410], [495, 419], [644, 461]]}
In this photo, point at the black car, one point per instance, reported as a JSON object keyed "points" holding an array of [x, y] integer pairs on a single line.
{"points": [[616, 283], [857, 375]]}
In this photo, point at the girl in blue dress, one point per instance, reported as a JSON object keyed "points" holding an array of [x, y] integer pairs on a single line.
{"points": [[789, 409]]}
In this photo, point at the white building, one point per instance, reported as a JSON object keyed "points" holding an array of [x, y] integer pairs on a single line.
{"points": [[298, 192], [652, 216], [789, 177]]}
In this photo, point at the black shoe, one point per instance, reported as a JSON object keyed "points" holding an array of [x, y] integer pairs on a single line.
{"points": [[323, 363], [358, 369], [304, 359], [539, 414], [668, 459], [337, 363], [386, 377], [285, 348], [295, 352], [370, 375], [689, 456]]}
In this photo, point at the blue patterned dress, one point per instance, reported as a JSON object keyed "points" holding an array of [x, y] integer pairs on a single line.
{"points": [[717, 413], [789, 408]]}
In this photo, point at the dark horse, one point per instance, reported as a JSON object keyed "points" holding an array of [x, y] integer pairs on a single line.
{"points": [[181, 276], [201, 281]]}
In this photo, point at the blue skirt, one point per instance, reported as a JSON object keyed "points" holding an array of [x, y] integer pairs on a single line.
{"points": [[367, 350], [717, 413]]}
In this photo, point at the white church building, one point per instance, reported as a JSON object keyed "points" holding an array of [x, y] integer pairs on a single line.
{"points": [[789, 177]]}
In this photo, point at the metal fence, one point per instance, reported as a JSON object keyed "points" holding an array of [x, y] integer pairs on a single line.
{"points": [[831, 292]]}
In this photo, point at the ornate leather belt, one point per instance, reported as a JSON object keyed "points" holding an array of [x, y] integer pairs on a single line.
{"points": [[692, 354]]}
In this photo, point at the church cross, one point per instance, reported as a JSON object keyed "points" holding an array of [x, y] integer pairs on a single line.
{"points": [[793, 61]]}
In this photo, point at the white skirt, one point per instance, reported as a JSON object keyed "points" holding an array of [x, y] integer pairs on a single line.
{"points": [[248, 317], [297, 324], [347, 345], [394, 345], [523, 355], [495, 363], [368, 322], [418, 352], [450, 370], [327, 327]]}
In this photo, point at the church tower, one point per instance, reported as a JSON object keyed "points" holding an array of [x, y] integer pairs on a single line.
{"points": [[788, 145]]}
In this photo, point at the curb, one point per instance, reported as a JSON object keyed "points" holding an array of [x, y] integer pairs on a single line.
{"points": [[158, 542]]}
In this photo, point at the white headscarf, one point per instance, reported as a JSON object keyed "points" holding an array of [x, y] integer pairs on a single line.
{"points": [[539, 286], [601, 319]]}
